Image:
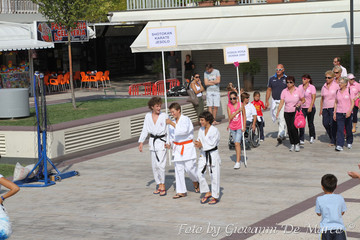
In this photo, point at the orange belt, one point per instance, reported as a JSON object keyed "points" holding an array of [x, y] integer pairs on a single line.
{"points": [[183, 143]]}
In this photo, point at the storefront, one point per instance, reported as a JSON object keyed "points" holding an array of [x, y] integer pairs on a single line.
{"points": [[17, 50]]}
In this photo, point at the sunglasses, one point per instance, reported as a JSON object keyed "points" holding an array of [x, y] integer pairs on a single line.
{"points": [[233, 98], [289, 82], [336, 72], [328, 77], [279, 69], [197, 77]]}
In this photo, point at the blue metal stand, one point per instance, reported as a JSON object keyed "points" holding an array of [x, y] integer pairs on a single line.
{"points": [[43, 160]]}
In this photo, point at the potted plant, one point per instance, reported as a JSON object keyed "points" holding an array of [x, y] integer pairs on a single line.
{"points": [[205, 3], [249, 69], [228, 2]]}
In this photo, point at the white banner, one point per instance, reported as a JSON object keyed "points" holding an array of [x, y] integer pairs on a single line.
{"points": [[236, 54], [161, 37]]}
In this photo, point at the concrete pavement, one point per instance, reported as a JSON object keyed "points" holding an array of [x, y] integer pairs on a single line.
{"points": [[112, 198]]}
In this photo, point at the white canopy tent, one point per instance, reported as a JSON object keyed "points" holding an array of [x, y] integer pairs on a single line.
{"points": [[16, 36], [290, 30]]}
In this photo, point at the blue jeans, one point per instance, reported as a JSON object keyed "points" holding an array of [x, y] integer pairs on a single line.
{"points": [[355, 113], [342, 121], [236, 135], [329, 123]]}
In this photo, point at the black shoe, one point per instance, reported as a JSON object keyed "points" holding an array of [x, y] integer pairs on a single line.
{"points": [[279, 139]]}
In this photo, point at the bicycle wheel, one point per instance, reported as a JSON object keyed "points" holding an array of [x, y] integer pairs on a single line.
{"points": [[255, 136]]}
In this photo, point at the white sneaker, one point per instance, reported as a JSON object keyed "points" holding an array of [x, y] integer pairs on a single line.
{"points": [[349, 146], [261, 140], [338, 148], [237, 165], [291, 149], [312, 140], [302, 142], [297, 148]]}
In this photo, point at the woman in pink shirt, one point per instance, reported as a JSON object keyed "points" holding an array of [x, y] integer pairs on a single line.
{"points": [[292, 97], [327, 101], [308, 108], [237, 120], [344, 103], [354, 88]]}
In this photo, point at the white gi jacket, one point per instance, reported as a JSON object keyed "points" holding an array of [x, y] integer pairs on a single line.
{"points": [[210, 141], [157, 129], [183, 132]]}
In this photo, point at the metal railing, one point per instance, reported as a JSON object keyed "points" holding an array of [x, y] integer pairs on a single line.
{"points": [[18, 6], [158, 4]]}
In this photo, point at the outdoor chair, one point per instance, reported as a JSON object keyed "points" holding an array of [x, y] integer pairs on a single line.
{"points": [[84, 79], [106, 77]]}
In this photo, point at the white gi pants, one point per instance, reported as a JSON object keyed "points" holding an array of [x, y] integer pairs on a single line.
{"points": [[215, 177], [281, 120], [181, 167], [158, 167]]}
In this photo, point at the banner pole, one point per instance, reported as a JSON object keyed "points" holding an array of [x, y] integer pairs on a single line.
{"points": [[242, 127], [166, 107]]}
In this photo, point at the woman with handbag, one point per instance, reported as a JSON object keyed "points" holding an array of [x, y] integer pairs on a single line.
{"points": [[293, 98], [198, 88], [308, 108]]}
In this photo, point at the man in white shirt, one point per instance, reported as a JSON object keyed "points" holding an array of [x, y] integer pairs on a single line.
{"points": [[337, 62], [212, 83]]}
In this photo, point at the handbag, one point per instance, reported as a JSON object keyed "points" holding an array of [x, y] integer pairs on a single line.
{"points": [[192, 96], [299, 121]]}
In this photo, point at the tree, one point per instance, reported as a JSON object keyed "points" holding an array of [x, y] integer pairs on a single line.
{"points": [[65, 13]]}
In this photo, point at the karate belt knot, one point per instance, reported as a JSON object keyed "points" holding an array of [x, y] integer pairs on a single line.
{"points": [[208, 159], [155, 137], [182, 144]]}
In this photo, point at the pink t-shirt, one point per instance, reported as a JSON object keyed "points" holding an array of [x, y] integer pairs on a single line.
{"points": [[354, 88], [328, 94], [291, 99], [344, 100], [310, 90], [236, 122]]}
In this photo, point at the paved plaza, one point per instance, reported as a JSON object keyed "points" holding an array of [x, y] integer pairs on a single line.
{"points": [[274, 197]]}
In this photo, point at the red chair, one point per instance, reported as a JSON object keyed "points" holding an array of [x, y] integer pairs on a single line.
{"points": [[106, 77], [65, 83], [84, 79], [56, 82]]}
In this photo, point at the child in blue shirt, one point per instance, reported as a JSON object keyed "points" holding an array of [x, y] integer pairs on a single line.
{"points": [[331, 207]]}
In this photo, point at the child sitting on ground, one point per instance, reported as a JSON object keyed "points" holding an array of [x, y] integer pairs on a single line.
{"points": [[260, 120], [331, 207]]}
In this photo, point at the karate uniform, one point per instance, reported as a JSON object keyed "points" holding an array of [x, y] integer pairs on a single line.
{"points": [[209, 142], [157, 147], [184, 152]]}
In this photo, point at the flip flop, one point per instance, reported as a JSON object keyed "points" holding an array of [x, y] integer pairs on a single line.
{"points": [[157, 191], [179, 196], [163, 193], [213, 201], [205, 199]]}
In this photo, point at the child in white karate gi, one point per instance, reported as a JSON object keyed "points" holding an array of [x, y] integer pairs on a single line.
{"points": [[184, 153], [155, 125], [209, 160]]}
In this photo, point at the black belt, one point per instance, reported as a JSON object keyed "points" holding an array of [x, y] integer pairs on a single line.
{"points": [[155, 137], [208, 159]]}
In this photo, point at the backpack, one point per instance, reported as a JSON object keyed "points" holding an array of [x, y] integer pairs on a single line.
{"points": [[299, 121]]}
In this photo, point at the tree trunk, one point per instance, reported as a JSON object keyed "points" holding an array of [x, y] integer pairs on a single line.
{"points": [[71, 71], [248, 82]]}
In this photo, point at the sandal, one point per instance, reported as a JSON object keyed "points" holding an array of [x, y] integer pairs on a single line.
{"points": [[179, 195], [213, 201], [157, 191], [197, 187], [163, 193], [205, 199]]}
